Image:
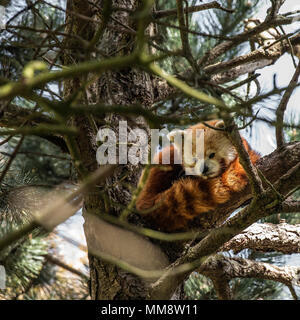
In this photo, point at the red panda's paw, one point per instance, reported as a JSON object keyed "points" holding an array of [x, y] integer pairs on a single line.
{"points": [[219, 192], [239, 184], [235, 177]]}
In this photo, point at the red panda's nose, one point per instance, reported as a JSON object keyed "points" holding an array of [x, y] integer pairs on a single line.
{"points": [[205, 169]]}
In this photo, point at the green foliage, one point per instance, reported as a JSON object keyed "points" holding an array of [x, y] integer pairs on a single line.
{"points": [[29, 274], [25, 263], [38, 166], [27, 44], [212, 22], [293, 135], [45, 161], [255, 289], [24, 259], [198, 287], [29, 178]]}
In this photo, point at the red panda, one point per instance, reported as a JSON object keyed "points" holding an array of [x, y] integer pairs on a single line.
{"points": [[173, 200]]}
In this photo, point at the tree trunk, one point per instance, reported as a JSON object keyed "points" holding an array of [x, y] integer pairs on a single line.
{"points": [[128, 86], [123, 87]]}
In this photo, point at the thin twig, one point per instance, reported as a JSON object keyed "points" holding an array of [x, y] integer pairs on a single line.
{"points": [[201, 7], [282, 107], [63, 265], [186, 50], [11, 159], [253, 176]]}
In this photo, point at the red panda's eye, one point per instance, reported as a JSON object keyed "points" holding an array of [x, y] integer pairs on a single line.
{"points": [[211, 155]]}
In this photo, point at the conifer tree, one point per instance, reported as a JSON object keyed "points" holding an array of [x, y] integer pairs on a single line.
{"points": [[69, 68]]}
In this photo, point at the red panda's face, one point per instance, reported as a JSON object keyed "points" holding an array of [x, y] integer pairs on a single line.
{"points": [[212, 157]]}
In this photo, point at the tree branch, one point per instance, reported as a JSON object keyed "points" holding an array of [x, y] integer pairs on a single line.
{"points": [[236, 140], [13, 116], [65, 266], [201, 7], [282, 107], [184, 35], [273, 11], [223, 72], [221, 285], [223, 47], [230, 268], [291, 206], [266, 237]]}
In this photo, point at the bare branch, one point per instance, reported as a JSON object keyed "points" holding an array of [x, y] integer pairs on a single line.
{"points": [[273, 11], [201, 7], [227, 71], [231, 268], [184, 35], [293, 292], [254, 179], [222, 287], [266, 237], [223, 47], [63, 265], [291, 206], [282, 107], [13, 116]]}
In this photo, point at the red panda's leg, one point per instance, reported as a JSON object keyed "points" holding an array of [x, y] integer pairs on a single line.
{"points": [[175, 207], [160, 179]]}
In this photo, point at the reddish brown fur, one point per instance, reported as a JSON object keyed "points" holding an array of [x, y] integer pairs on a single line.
{"points": [[173, 201]]}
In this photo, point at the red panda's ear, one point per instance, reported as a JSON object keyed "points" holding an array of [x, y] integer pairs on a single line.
{"points": [[220, 124]]}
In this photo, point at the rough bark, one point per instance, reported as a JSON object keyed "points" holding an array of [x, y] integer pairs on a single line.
{"points": [[266, 237], [230, 268], [123, 87]]}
